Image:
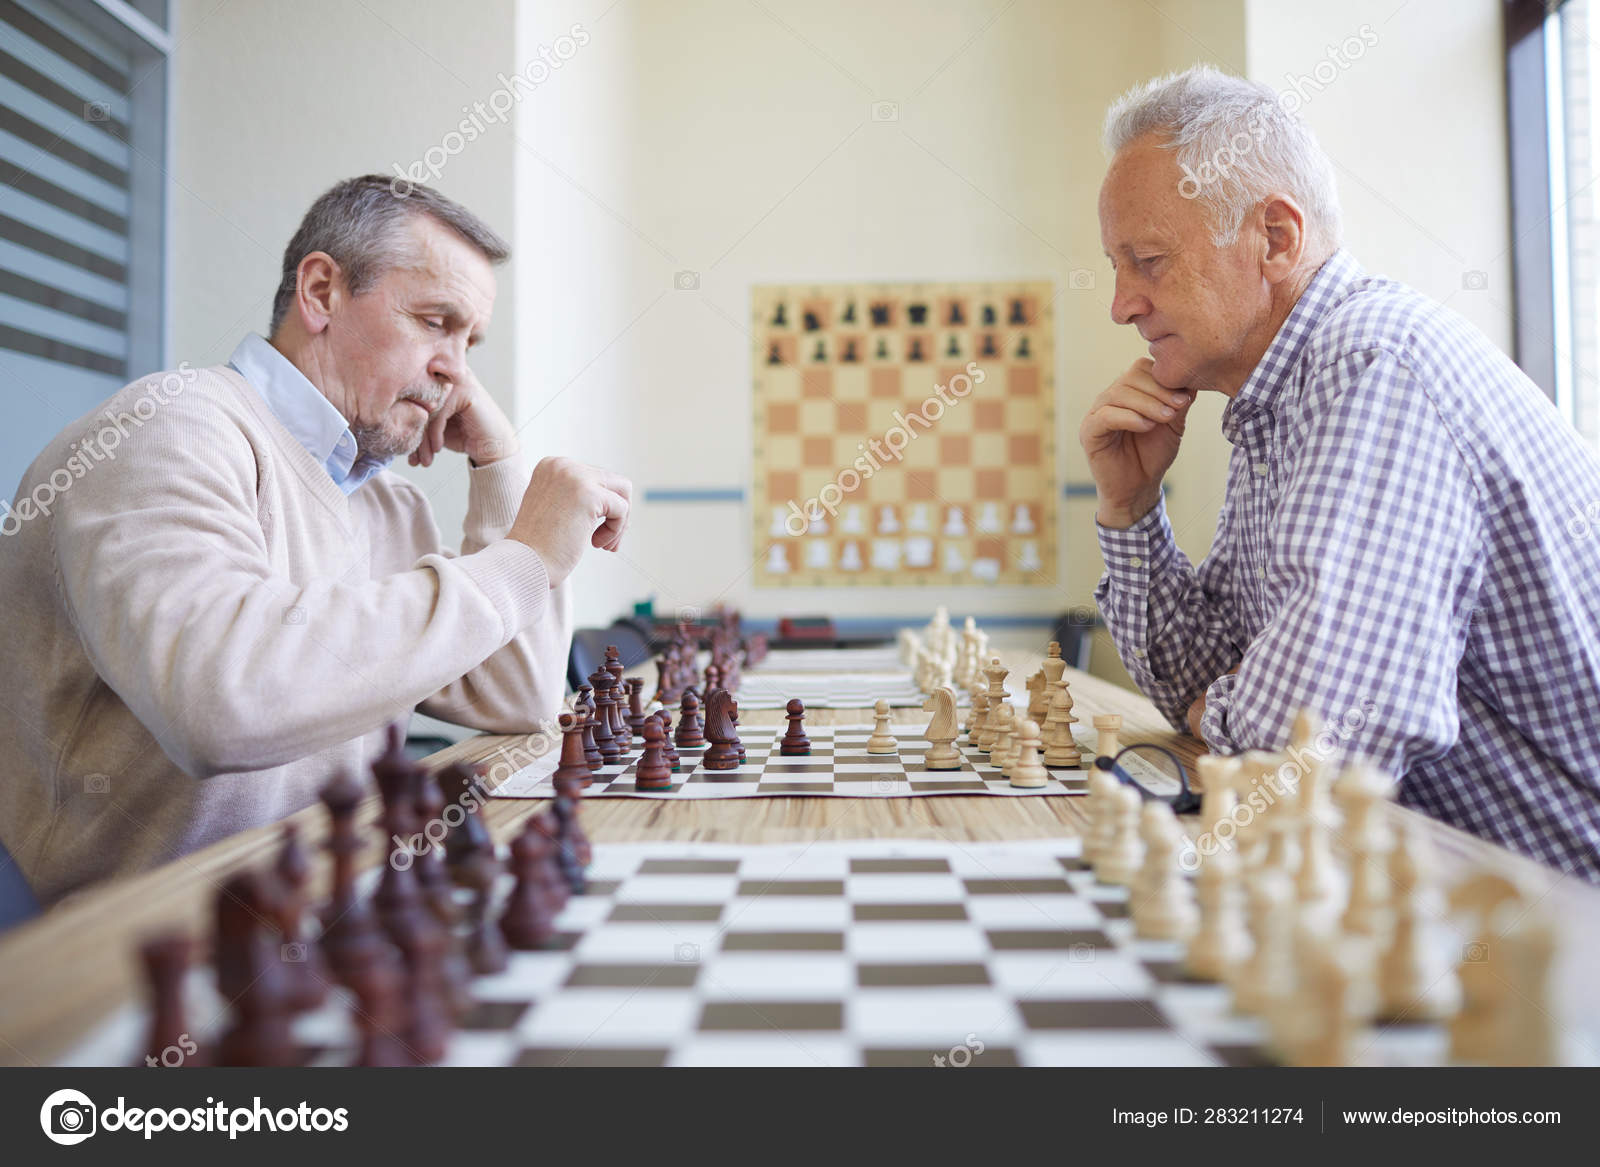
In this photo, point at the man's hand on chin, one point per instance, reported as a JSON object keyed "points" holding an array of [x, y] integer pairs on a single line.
{"points": [[469, 422]]}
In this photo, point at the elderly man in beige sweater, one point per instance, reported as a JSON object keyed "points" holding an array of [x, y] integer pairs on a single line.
{"points": [[218, 596]]}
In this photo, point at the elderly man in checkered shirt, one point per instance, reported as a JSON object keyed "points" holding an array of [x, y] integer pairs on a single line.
{"points": [[1405, 546]]}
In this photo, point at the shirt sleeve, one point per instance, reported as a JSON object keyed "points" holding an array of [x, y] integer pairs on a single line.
{"points": [[519, 687], [1373, 572], [1171, 622]]}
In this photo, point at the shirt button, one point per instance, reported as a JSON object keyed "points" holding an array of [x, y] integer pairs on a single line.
{"points": [[1262, 572], [1135, 562], [1261, 469], [1139, 653]]}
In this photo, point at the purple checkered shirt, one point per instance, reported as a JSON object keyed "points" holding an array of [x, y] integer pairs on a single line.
{"points": [[1409, 547]]}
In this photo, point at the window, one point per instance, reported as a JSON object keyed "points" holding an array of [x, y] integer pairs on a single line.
{"points": [[83, 153]]}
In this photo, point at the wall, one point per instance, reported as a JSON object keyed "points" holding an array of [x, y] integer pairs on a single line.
{"points": [[278, 101]]}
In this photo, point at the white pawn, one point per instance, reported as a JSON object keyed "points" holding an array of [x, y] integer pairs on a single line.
{"points": [[1222, 942], [1415, 980], [1004, 750], [1268, 975], [1163, 903], [1026, 771], [882, 740], [1334, 1010], [1099, 814], [1107, 726], [1060, 747], [1119, 863]]}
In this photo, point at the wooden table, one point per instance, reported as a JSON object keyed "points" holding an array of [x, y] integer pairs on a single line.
{"points": [[63, 972]]}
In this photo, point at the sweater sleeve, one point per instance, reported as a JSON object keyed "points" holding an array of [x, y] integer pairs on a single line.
{"points": [[165, 568], [520, 686]]}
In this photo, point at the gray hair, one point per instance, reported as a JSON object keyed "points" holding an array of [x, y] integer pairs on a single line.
{"points": [[1237, 144], [359, 223]]}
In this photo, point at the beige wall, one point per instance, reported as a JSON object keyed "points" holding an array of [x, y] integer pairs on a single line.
{"points": [[737, 141], [279, 99]]}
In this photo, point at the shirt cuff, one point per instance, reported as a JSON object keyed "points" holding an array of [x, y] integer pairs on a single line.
{"points": [[1214, 722], [1133, 554], [513, 576], [494, 496]]}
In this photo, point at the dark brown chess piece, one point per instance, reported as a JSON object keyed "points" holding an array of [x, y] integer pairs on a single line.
{"points": [[713, 680], [166, 961], [689, 734], [653, 772], [308, 972], [733, 720], [347, 924], [636, 713], [438, 893], [584, 705], [463, 842], [604, 740], [250, 975], [574, 851], [528, 922], [407, 920], [665, 718], [724, 739], [620, 729], [795, 742]]}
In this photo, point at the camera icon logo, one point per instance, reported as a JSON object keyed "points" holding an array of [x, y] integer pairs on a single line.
{"points": [[1081, 279], [687, 281], [1081, 953], [1475, 953], [885, 111], [293, 953], [97, 784], [883, 785], [96, 111], [294, 615], [68, 1117], [686, 953], [1475, 281]]}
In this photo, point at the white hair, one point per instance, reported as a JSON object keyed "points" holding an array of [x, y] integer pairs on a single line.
{"points": [[1237, 143]]}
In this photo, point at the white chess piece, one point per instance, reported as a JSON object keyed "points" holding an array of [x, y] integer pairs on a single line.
{"points": [[1027, 771], [1028, 559], [919, 551], [885, 554], [818, 521], [888, 521], [882, 740], [1119, 862], [986, 569], [852, 523], [779, 526], [777, 559], [955, 524], [919, 518], [818, 554], [954, 562], [1022, 520], [850, 558], [989, 519]]}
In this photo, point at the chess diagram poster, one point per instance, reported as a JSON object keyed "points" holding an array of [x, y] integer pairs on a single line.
{"points": [[904, 435]]}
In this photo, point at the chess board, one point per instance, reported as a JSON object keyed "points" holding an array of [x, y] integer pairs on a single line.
{"points": [[767, 690], [904, 435], [875, 953], [837, 767]]}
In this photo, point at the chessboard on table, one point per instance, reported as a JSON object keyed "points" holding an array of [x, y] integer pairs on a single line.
{"points": [[968, 499], [879, 952], [838, 766]]}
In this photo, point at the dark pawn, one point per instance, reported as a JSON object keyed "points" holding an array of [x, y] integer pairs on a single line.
{"points": [[689, 735], [583, 708], [619, 698], [665, 719], [528, 922], [795, 742], [724, 751], [308, 972], [166, 966], [348, 928], [572, 767], [250, 975], [438, 896], [575, 852], [465, 842], [485, 947], [654, 772], [636, 713]]}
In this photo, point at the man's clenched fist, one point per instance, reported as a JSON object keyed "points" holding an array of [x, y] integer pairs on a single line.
{"points": [[570, 506]]}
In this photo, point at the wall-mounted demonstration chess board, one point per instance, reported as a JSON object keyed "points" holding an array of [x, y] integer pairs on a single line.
{"points": [[865, 474]]}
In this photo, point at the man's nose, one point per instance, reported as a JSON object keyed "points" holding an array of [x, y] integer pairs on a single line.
{"points": [[1127, 305]]}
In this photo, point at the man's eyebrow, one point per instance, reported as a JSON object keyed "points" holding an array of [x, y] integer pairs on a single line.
{"points": [[451, 311]]}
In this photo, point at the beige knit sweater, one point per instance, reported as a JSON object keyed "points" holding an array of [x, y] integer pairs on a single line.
{"points": [[203, 628]]}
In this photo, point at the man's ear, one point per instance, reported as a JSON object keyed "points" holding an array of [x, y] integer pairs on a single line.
{"points": [[319, 291], [1283, 228]]}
